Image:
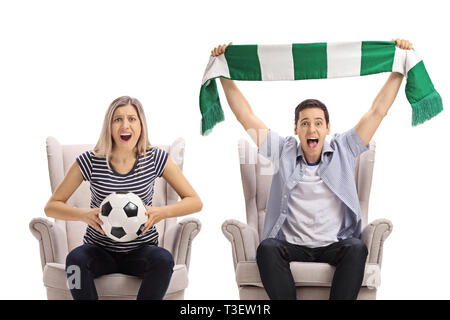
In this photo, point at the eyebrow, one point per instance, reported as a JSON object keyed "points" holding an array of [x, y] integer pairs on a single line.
{"points": [[318, 118], [128, 115]]}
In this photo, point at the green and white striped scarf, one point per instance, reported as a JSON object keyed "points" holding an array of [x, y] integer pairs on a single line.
{"points": [[300, 61]]}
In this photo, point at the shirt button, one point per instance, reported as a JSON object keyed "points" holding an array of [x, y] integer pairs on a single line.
{"points": [[285, 196], [284, 211]]}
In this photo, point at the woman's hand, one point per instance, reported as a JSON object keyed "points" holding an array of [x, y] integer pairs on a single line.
{"points": [[403, 44], [92, 219], [155, 215], [217, 51]]}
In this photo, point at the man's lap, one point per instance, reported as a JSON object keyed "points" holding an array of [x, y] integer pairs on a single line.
{"points": [[298, 253]]}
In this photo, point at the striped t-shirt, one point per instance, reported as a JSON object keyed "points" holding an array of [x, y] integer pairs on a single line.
{"points": [[140, 180]]}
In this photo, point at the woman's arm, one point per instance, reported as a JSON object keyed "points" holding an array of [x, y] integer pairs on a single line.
{"points": [[190, 202], [57, 208]]}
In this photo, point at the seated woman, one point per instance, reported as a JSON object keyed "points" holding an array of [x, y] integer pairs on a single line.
{"points": [[122, 160]]}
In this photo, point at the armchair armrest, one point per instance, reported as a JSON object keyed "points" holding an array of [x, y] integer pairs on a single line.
{"points": [[183, 233], [244, 240], [374, 235], [52, 240]]}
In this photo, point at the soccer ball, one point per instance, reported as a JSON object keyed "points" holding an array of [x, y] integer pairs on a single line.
{"points": [[123, 216]]}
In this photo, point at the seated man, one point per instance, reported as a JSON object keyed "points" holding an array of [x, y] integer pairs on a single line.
{"points": [[313, 212]]}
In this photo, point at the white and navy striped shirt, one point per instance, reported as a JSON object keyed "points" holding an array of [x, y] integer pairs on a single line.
{"points": [[140, 180]]}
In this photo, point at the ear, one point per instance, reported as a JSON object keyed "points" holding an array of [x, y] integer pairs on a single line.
{"points": [[328, 128]]}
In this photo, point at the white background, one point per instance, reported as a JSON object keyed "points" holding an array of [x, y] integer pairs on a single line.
{"points": [[63, 62]]}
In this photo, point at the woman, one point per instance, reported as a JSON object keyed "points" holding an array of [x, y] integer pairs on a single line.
{"points": [[122, 160]]}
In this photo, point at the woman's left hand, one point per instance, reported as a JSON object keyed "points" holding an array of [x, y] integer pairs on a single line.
{"points": [[155, 214]]}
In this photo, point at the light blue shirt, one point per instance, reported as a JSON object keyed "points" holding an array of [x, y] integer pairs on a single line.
{"points": [[337, 170]]}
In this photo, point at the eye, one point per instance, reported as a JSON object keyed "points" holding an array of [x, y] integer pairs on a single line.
{"points": [[117, 119], [132, 119], [318, 123], [304, 124]]}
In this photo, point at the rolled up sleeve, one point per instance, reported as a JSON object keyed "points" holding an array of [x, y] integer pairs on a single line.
{"points": [[353, 142], [272, 147]]}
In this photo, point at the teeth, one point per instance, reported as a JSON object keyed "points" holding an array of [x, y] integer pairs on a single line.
{"points": [[125, 134]]}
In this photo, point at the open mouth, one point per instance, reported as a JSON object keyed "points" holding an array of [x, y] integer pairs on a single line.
{"points": [[125, 136], [312, 142]]}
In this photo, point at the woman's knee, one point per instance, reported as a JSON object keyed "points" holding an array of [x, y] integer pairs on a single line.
{"points": [[162, 258], [80, 256], [166, 259], [77, 256]]}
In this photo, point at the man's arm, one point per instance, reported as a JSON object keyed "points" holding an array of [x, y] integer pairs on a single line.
{"points": [[370, 122], [257, 130]]}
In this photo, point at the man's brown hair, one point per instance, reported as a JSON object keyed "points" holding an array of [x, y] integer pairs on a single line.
{"points": [[311, 103]]}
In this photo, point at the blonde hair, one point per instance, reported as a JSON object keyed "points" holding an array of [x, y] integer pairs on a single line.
{"points": [[104, 145]]}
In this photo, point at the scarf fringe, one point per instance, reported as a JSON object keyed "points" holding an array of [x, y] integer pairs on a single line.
{"points": [[211, 117], [426, 108], [210, 107]]}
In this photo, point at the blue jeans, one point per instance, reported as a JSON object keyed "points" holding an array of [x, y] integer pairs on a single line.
{"points": [[348, 256], [151, 263]]}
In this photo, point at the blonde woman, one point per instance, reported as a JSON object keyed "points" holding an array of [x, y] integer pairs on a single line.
{"points": [[122, 160]]}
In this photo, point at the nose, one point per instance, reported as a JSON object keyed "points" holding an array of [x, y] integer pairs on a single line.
{"points": [[125, 124], [311, 128]]}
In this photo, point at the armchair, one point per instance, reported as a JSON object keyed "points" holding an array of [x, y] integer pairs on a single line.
{"points": [[312, 280]]}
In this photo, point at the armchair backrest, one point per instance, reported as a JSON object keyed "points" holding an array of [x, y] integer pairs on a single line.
{"points": [[60, 159], [256, 175]]}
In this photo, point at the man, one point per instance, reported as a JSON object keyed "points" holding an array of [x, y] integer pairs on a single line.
{"points": [[313, 211]]}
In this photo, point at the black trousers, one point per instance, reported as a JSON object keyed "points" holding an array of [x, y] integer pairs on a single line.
{"points": [[348, 256], [88, 261]]}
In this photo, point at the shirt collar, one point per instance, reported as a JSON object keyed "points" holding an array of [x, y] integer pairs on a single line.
{"points": [[326, 148]]}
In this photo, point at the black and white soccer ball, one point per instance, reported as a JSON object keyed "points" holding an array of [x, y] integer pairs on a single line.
{"points": [[123, 216]]}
